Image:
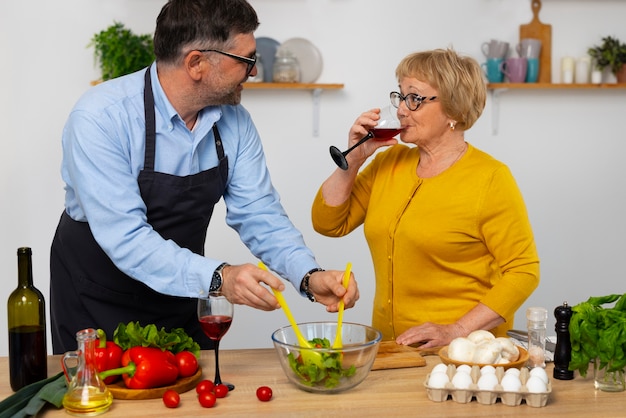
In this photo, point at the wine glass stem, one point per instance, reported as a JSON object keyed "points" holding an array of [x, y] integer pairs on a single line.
{"points": [[369, 135], [217, 379]]}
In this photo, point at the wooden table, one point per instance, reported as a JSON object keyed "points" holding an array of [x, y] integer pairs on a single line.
{"points": [[397, 392]]}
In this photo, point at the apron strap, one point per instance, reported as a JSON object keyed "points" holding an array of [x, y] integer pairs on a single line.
{"points": [[148, 100]]}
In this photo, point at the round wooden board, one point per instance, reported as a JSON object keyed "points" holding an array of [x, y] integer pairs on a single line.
{"points": [[120, 391], [523, 358]]}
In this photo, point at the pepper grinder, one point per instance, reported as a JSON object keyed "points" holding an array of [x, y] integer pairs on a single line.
{"points": [[563, 351]]}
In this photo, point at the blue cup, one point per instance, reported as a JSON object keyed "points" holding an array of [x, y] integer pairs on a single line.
{"points": [[532, 70], [493, 71]]}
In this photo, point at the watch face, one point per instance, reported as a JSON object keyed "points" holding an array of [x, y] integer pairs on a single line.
{"points": [[216, 282]]}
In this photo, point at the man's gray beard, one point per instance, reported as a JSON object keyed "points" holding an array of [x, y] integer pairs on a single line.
{"points": [[233, 98]]}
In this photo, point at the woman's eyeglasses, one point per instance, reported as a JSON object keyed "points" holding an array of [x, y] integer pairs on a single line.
{"points": [[413, 101]]}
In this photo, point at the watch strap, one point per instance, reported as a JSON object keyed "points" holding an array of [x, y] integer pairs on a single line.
{"points": [[218, 279], [304, 286]]}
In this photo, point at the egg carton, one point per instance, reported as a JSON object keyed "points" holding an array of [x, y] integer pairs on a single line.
{"points": [[488, 397]]}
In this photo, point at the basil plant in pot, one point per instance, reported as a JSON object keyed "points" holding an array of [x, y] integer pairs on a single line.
{"points": [[119, 51], [598, 337], [610, 54]]}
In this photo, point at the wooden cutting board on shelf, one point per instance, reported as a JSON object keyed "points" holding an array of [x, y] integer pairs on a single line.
{"points": [[394, 356], [537, 30]]}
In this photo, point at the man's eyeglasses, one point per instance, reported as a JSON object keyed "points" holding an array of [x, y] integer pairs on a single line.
{"points": [[412, 100], [250, 62]]}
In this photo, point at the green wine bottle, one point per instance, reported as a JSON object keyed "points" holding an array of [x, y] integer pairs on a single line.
{"points": [[27, 327]]}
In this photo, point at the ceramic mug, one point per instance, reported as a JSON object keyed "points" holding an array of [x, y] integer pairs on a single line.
{"points": [[515, 69], [532, 70], [529, 48], [495, 49], [492, 70]]}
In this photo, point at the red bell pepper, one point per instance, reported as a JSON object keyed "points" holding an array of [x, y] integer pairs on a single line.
{"points": [[108, 356], [146, 367]]}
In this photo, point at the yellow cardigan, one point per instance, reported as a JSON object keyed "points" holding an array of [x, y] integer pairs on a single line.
{"points": [[439, 245]]}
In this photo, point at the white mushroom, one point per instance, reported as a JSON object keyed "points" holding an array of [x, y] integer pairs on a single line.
{"points": [[510, 351], [487, 352], [461, 349], [480, 336]]}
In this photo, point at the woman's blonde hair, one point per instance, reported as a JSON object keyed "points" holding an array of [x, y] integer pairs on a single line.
{"points": [[458, 80]]}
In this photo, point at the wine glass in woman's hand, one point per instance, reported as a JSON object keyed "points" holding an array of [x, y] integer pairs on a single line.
{"points": [[387, 127], [215, 314]]}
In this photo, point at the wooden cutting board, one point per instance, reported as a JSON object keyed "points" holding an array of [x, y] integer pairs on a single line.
{"points": [[394, 356], [184, 384], [537, 30]]}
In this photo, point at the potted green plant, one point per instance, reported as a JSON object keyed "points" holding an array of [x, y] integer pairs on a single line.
{"points": [[597, 337], [610, 54], [119, 51]]}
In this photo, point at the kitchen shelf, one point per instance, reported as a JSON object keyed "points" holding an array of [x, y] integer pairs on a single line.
{"points": [[316, 91], [496, 89], [554, 86]]}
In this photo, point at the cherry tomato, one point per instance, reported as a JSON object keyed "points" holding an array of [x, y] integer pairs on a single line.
{"points": [[205, 386], [221, 390], [207, 399], [187, 363], [264, 393], [171, 398]]}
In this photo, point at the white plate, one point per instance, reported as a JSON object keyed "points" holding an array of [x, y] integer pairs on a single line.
{"points": [[308, 56], [266, 47]]}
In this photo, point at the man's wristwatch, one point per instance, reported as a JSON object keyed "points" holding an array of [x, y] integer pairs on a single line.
{"points": [[304, 285], [218, 280]]}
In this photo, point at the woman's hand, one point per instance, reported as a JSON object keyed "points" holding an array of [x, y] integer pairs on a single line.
{"points": [[361, 127], [431, 335]]}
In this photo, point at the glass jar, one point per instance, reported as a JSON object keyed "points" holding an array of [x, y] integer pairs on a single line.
{"points": [[286, 67], [605, 380], [536, 323]]}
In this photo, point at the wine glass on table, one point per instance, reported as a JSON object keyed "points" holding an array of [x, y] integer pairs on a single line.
{"points": [[388, 126], [215, 314]]}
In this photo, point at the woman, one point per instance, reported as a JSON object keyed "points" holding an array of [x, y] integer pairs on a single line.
{"points": [[447, 227]]}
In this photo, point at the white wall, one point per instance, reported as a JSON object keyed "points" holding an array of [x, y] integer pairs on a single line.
{"points": [[564, 147]]}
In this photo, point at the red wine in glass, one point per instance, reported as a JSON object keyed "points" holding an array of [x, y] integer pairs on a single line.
{"points": [[215, 314], [385, 133], [388, 126], [215, 326]]}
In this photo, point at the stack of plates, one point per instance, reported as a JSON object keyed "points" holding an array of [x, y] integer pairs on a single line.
{"points": [[308, 56]]}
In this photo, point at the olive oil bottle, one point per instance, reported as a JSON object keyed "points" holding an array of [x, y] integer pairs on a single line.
{"points": [[27, 327]]}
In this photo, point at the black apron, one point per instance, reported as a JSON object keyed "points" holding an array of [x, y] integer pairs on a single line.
{"points": [[88, 291]]}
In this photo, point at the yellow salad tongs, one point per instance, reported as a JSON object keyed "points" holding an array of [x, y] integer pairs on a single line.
{"points": [[346, 277], [308, 356]]}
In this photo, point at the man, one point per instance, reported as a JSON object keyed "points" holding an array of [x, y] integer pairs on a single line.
{"points": [[145, 159]]}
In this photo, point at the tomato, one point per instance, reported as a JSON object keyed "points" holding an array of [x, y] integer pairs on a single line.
{"points": [[207, 399], [205, 386], [171, 398], [221, 390], [187, 363], [264, 393]]}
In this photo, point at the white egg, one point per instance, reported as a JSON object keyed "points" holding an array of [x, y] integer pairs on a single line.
{"points": [[462, 380], [487, 370], [487, 381], [438, 380], [534, 384], [513, 371], [511, 383], [541, 373], [464, 368], [443, 368]]}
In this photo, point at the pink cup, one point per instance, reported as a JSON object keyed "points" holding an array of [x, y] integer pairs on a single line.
{"points": [[515, 69]]}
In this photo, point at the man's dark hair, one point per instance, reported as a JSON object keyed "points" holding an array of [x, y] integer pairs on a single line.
{"points": [[200, 24]]}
